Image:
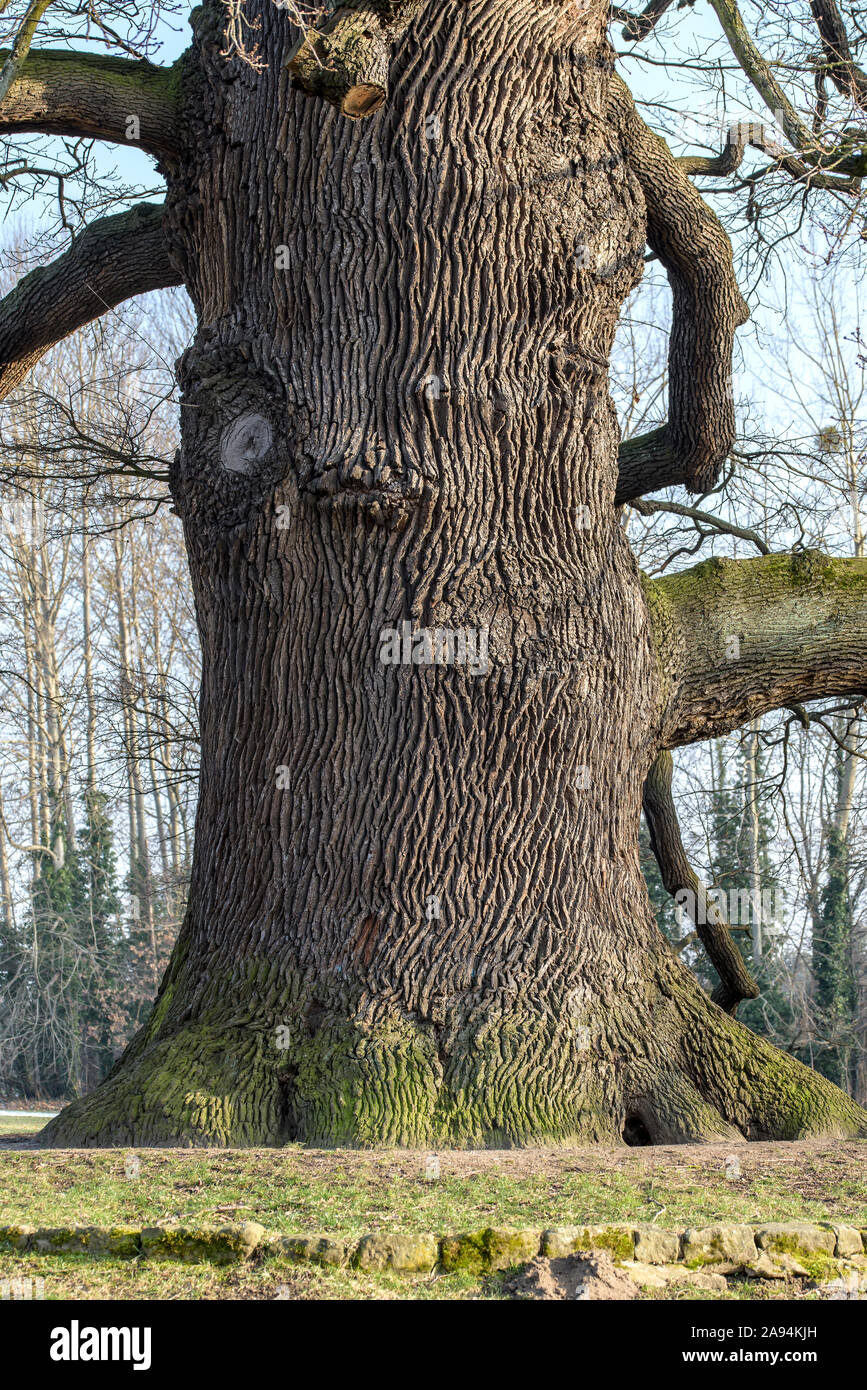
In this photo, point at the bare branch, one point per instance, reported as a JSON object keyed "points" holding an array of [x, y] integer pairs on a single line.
{"points": [[710, 520], [759, 72], [115, 258], [678, 876]]}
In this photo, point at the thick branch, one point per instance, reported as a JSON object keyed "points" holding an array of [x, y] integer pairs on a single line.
{"points": [[116, 99], [842, 69], [638, 26], [736, 638], [346, 61], [112, 260], [678, 876], [647, 463], [727, 162], [706, 310]]}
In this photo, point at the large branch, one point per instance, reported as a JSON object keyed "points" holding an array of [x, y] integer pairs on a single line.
{"points": [[116, 99], [112, 260], [707, 308], [647, 463], [346, 61], [680, 879], [737, 638], [844, 72]]}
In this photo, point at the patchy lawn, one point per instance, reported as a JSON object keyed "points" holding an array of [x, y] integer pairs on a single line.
{"points": [[78, 1277], [19, 1125], [295, 1190]]}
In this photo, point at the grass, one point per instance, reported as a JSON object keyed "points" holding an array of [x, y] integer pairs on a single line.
{"points": [[295, 1190], [77, 1277], [19, 1126]]}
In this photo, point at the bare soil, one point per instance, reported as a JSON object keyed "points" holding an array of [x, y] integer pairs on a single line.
{"points": [[584, 1276]]}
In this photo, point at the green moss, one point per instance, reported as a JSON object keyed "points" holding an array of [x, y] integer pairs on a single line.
{"points": [[619, 1243], [219, 1244], [820, 1266], [15, 1237], [714, 578], [818, 1263], [465, 1254], [494, 1248], [160, 1010]]}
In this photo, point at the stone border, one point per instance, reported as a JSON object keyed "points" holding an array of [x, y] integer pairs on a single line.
{"points": [[774, 1249]]}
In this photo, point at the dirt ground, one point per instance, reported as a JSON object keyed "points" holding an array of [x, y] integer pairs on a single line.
{"points": [[798, 1158], [807, 1167]]}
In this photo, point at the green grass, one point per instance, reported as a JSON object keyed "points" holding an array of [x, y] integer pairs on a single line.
{"points": [[78, 1277], [297, 1190], [20, 1126]]}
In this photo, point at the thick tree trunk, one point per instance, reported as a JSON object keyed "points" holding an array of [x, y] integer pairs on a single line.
{"points": [[416, 910]]}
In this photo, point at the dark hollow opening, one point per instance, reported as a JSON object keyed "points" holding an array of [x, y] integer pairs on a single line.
{"points": [[635, 1132]]}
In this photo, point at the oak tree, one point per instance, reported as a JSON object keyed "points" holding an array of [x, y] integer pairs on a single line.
{"points": [[416, 911]]}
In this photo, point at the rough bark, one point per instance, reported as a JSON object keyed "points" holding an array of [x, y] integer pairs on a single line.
{"points": [[112, 260], [346, 61], [416, 912]]}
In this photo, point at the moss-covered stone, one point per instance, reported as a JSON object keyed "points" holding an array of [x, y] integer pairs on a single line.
{"points": [[821, 1267], [655, 1247], [122, 1242], [722, 1244], [219, 1244], [798, 1238], [18, 1237], [329, 1251], [480, 1252], [465, 1254], [414, 1253], [848, 1242], [507, 1248], [618, 1241]]}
